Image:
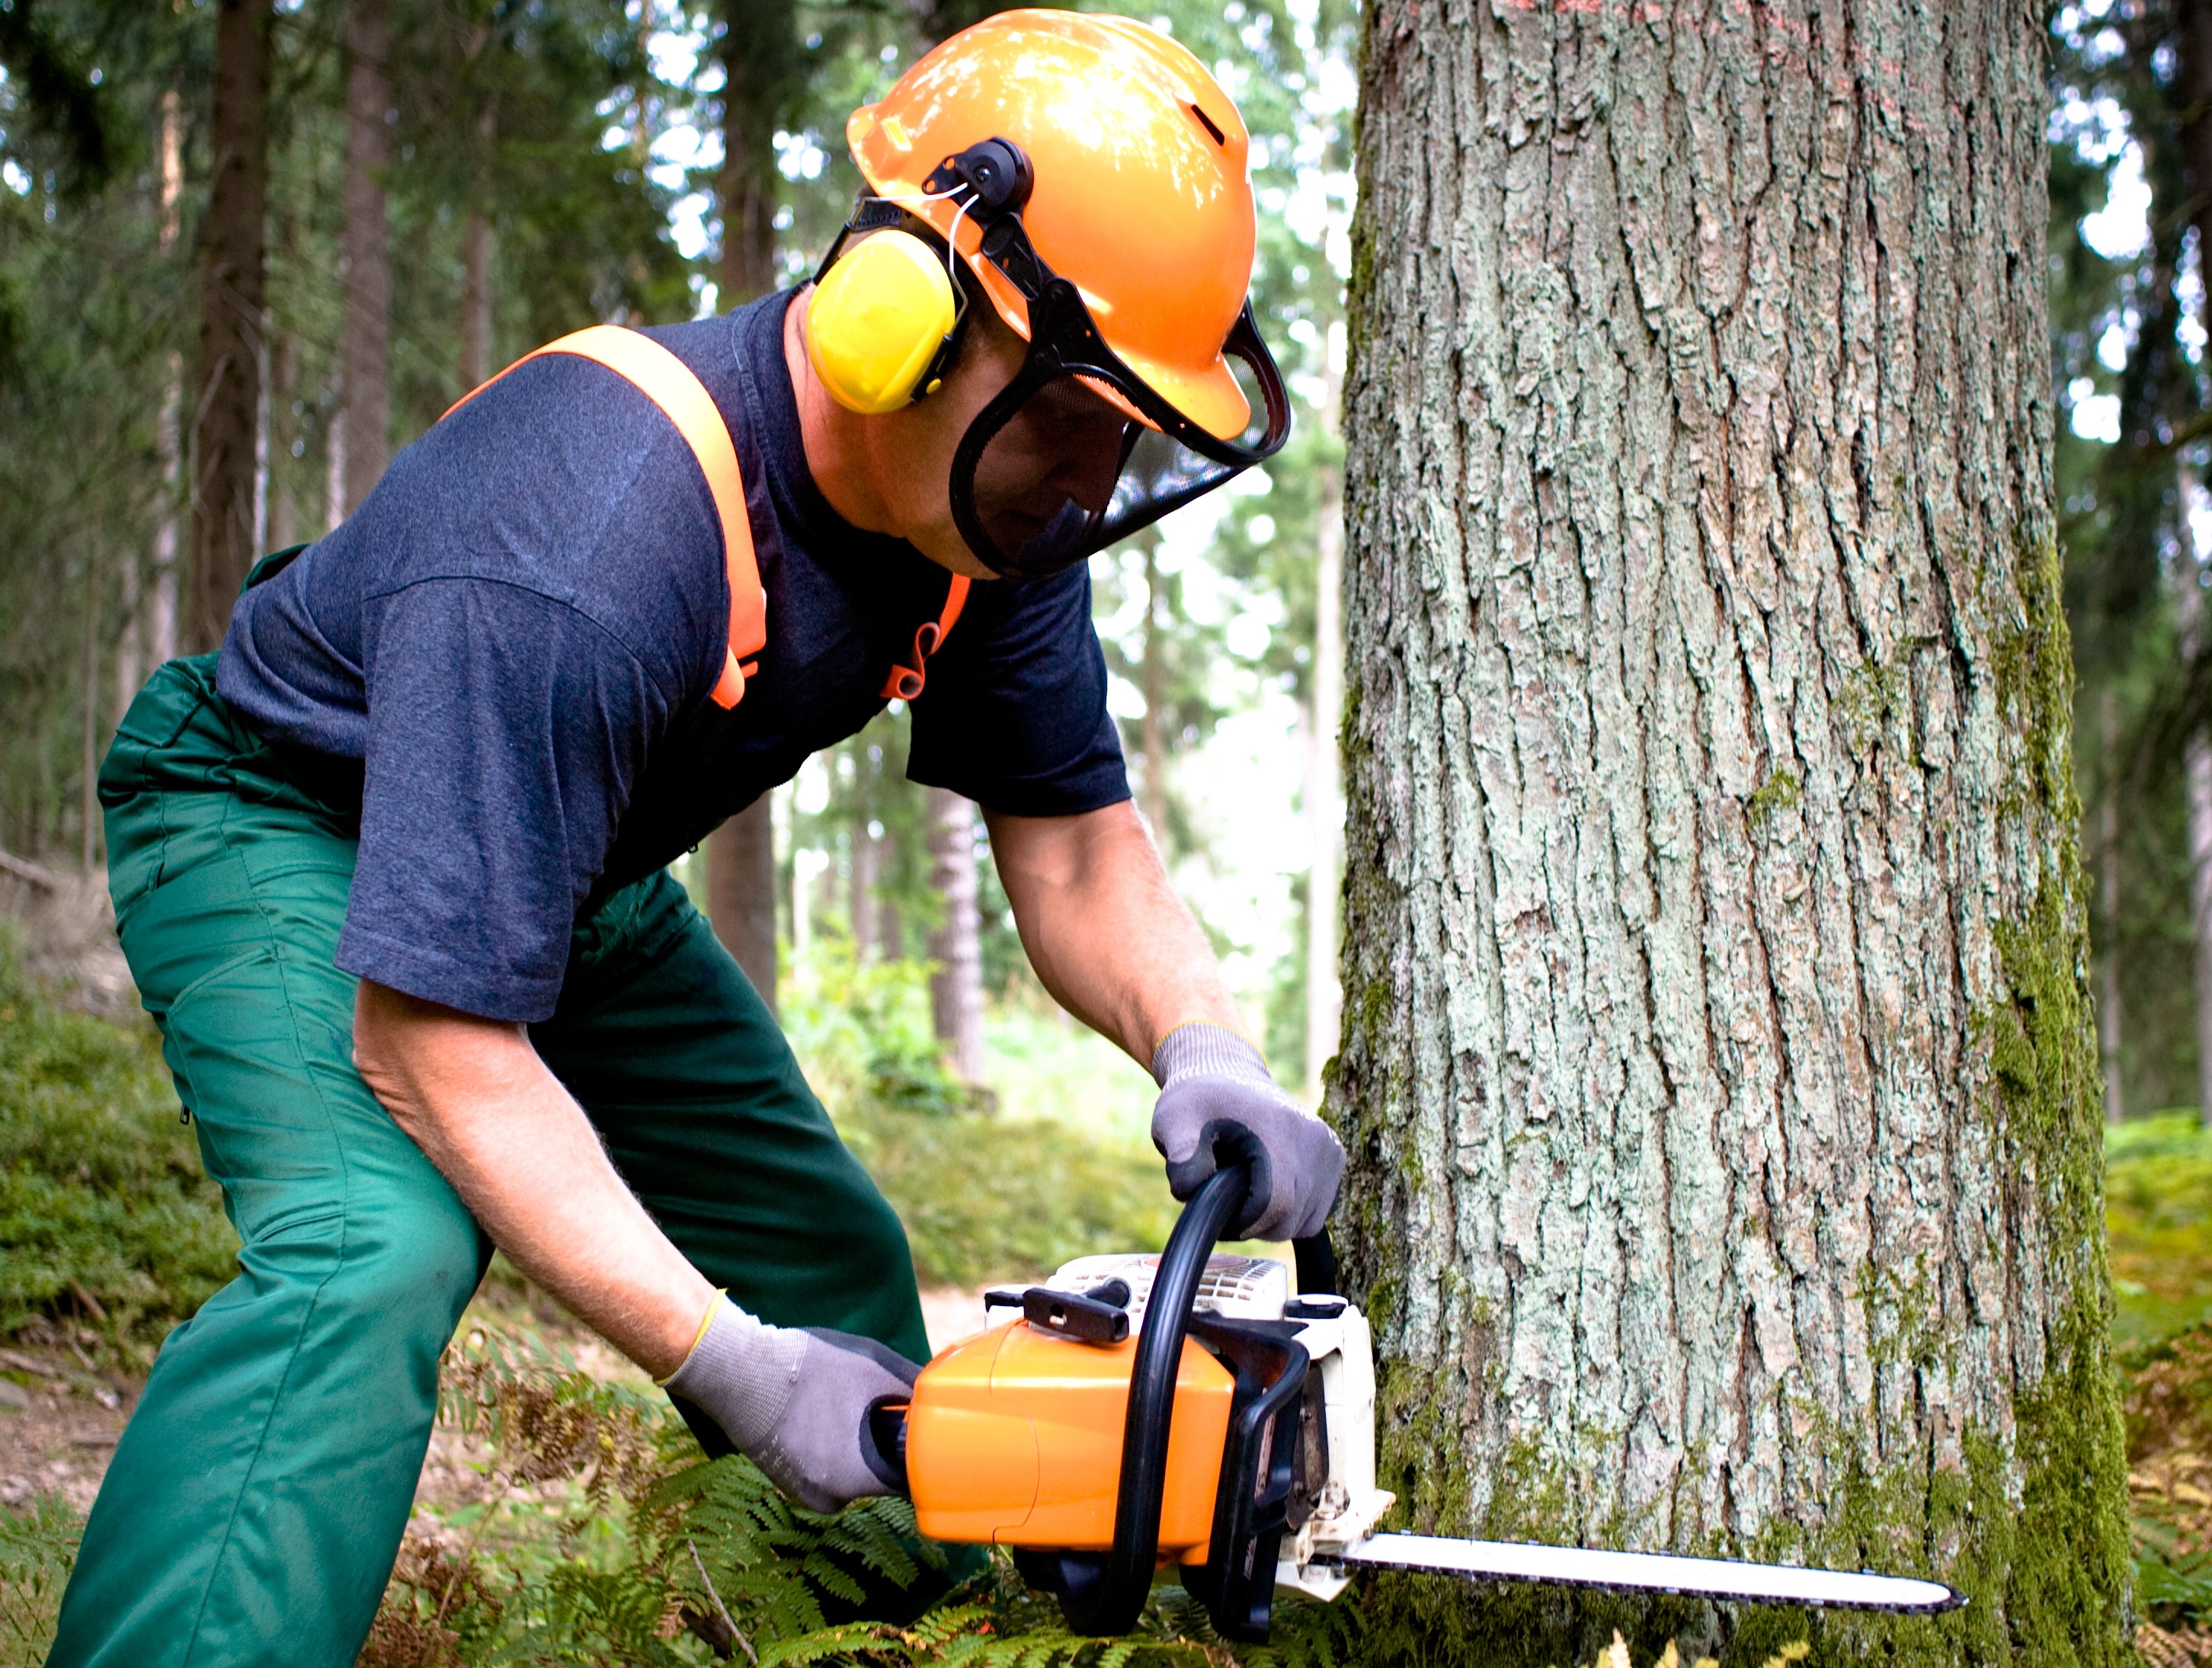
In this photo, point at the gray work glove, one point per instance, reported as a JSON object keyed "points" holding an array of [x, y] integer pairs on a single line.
{"points": [[1215, 1094], [796, 1401]]}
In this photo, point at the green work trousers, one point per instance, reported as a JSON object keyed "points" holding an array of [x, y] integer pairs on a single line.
{"points": [[258, 1496]]}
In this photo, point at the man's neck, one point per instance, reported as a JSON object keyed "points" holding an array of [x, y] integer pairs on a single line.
{"points": [[830, 434]]}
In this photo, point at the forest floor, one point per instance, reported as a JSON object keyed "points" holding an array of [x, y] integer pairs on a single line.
{"points": [[60, 1416], [563, 1513]]}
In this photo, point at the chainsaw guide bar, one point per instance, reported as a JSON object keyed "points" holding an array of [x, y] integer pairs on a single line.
{"points": [[1654, 1572]]}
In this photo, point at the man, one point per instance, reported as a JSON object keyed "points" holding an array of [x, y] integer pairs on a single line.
{"points": [[391, 870]]}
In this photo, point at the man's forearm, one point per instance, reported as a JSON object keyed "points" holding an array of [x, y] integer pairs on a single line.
{"points": [[1104, 928], [524, 1158]]}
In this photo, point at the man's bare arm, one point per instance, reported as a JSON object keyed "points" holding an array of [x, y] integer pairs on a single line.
{"points": [[517, 1148], [1105, 929]]}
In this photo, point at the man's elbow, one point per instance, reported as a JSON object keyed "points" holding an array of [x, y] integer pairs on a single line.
{"points": [[413, 1054]]}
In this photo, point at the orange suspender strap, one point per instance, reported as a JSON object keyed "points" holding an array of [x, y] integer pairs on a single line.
{"points": [[905, 682], [668, 382]]}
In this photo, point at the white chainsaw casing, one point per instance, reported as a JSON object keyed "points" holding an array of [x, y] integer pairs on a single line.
{"points": [[1338, 1345], [1235, 1287], [1342, 1350]]}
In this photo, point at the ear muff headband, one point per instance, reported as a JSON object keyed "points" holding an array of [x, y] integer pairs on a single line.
{"points": [[881, 316], [885, 320]]}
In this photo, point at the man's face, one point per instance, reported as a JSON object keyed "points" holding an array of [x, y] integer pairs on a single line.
{"points": [[1064, 444]]}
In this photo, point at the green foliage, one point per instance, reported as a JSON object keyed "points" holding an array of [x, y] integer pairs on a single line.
{"points": [[712, 1561], [37, 1547], [102, 1193], [2158, 1218], [982, 1197]]}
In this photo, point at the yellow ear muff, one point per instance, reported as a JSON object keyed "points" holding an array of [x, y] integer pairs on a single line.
{"points": [[877, 320]]}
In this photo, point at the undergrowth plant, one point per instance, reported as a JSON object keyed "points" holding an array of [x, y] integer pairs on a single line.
{"points": [[714, 1564], [38, 1548], [106, 1221]]}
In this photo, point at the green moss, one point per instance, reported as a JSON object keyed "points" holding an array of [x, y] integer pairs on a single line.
{"points": [[2032, 663], [1782, 791]]}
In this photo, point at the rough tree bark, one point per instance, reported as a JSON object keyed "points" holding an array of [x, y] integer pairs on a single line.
{"points": [[226, 390], [956, 988], [760, 54], [367, 258], [1719, 1069]]}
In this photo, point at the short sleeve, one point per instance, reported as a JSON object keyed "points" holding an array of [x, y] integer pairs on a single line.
{"points": [[1014, 712], [506, 730]]}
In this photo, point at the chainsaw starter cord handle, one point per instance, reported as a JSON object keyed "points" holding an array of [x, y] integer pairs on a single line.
{"points": [[1112, 1603]]}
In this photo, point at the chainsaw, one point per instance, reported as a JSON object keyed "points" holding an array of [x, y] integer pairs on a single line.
{"points": [[1207, 1410]]}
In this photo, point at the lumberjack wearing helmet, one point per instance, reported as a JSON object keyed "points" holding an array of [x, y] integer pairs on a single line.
{"points": [[390, 869]]}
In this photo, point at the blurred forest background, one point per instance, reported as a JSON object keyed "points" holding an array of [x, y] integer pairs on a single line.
{"points": [[248, 251], [250, 248]]}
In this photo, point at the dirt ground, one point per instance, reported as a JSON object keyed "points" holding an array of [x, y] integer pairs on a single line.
{"points": [[58, 1427]]}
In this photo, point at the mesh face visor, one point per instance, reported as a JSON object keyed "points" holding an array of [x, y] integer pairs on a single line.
{"points": [[1056, 467]]}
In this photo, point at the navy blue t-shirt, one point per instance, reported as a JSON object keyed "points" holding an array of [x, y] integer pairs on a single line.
{"points": [[516, 636]]}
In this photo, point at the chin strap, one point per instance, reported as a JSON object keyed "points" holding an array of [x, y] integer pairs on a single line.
{"points": [[906, 682]]}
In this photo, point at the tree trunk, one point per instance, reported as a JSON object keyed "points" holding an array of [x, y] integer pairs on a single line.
{"points": [[149, 633], [2196, 765], [2197, 782], [742, 849], [476, 259], [1324, 777], [282, 523], [476, 300], [227, 400], [956, 988], [2108, 904], [759, 45], [2194, 97], [1151, 734], [1719, 1071], [334, 457], [860, 894], [367, 259]]}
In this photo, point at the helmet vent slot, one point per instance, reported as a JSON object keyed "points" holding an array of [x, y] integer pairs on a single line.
{"points": [[1209, 124]]}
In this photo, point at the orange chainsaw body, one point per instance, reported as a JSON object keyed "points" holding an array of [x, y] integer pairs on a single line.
{"points": [[1014, 1437]]}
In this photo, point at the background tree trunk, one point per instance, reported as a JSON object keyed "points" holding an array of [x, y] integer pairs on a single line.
{"points": [[368, 253], [956, 988], [1719, 1068], [1324, 775], [2196, 783], [742, 909], [760, 52], [1152, 787], [149, 612], [2108, 901], [226, 399], [477, 238]]}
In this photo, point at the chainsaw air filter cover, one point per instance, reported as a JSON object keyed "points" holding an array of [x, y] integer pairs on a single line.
{"points": [[1015, 1437]]}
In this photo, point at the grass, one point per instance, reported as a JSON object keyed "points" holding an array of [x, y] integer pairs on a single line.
{"points": [[2158, 1218], [105, 1216]]}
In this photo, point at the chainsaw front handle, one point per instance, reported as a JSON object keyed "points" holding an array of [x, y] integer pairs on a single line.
{"points": [[1110, 1601]]}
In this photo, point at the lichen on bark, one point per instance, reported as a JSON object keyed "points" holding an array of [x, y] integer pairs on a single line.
{"points": [[1718, 1071]]}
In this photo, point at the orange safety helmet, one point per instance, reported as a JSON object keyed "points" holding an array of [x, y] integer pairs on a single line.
{"points": [[1141, 196]]}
